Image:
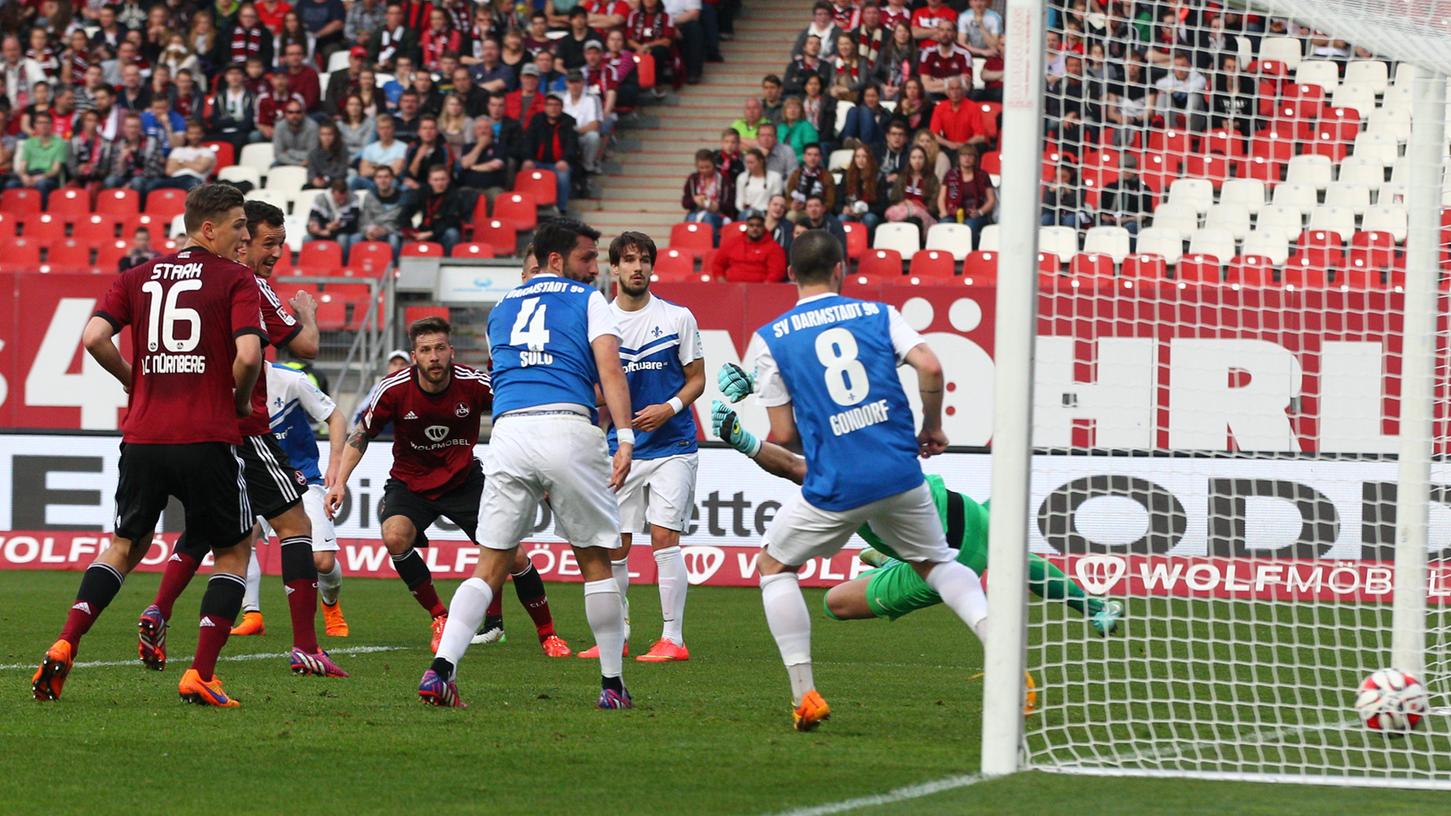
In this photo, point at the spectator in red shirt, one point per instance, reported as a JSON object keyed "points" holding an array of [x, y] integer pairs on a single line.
{"points": [[440, 38], [301, 78], [957, 121], [271, 13], [926, 20], [946, 60], [751, 256], [521, 105], [967, 195]]}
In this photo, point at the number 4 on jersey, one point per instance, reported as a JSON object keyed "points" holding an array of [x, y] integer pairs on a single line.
{"points": [[529, 329]]}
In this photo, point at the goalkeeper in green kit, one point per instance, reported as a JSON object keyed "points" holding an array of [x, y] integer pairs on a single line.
{"points": [[894, 589]]}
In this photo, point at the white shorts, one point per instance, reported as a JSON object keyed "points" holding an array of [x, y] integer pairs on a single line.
{"points": [[659, 492], [907, 521], [561, 455], [324, 535]]}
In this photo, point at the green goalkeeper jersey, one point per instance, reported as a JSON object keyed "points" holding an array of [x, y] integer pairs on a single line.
{"points": [[965, 521]]}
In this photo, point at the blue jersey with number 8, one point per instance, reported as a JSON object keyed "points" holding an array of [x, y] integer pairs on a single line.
{"points": [[540, 345], [836, 358]]}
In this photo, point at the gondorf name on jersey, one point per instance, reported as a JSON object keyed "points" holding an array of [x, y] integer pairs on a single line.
{"points": [[854, 419]]}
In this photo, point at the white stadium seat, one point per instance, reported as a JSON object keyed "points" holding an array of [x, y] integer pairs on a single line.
{"points": [[1112, 241], [1324, 73], [1289, 50], [258, 156], [1371, 73], [1213, 241], [1229, 216], [1339, 220], [1249, 193], [1061, 241], [1348, 194], [240, 174], [1197, 193], [1271, 243], [1386, 218], [1310, 169], [1300, 196], [1177, 217], [987, 240], [955, 239], [1358, 169], [1287, 221], [902, 237], [1166, 243], [287, 179]]}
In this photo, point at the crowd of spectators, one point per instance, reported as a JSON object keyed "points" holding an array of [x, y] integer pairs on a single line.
{"points": [[427, 104]]}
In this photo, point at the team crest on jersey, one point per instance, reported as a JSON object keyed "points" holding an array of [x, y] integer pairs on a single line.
{"points": [[299, 478], [656, 332], [436, 433], [461, 410]]}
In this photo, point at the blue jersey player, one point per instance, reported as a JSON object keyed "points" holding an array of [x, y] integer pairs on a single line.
{"points": [[553, 341], [660, 350], [827, 374]]}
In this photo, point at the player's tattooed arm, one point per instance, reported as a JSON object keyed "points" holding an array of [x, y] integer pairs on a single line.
{"points": [[932, 440], [358, 439]]}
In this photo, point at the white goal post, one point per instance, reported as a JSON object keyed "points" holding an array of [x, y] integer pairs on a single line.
{"points": [[1222, 390]]}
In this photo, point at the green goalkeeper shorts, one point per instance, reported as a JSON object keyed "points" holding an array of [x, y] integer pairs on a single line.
{"points": [[897, 589]]}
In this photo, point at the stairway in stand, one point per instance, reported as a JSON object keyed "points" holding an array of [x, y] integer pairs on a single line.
{"points": [[643, 193]]}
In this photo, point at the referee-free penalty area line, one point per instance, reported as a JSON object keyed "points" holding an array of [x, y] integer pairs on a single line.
{"points": [[91, 664]]}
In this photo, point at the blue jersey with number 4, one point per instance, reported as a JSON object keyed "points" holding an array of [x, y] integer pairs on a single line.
{"points": [[540, 344], [836, 358]]}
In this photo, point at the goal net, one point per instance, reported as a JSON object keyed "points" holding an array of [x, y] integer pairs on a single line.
{"points": [[1229, 259]]}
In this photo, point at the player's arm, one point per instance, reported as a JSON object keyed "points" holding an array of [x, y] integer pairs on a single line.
{"points": [[653, 416], [346, 462], [772, 458], [606, 349], [97, 339], [337, 431], [245, 369], [321, 408], [932, 440], [304, 343]]}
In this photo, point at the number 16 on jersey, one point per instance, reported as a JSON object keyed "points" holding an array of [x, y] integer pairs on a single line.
{"points": [[530, 332]]}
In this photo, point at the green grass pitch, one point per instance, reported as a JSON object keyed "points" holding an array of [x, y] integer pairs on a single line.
{"points": [[709, 736]]}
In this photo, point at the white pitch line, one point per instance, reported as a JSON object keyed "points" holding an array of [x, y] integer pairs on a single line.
{"points": [[892, 797], [92, 664]]}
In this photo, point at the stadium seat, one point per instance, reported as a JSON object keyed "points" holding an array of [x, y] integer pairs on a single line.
{"points": [[68, 255], [1324, 73], [1286, 50], [839, 159], [1245, 192], [1198, 268], [1060, 241], [124, 204], [880, 263], [991, 163], [369, 258], [1391, 125], [1177, 217], [1214, 242], [109, 255], [1306, 270], [1166, 243], [1254, 271], [1370, 252], [1387, 218], [539, 185], [279, 200], [902, 237], [1358, 98], [1196, 193], [45, 229], [240, 174], [980, 267], [672, 265], [95, 228], [320, 258], [1393, 195], [1314, 171], [1145, 266], [471, 250], [1280, 218], [988, 239], [1212, 169], [1157, 173], [8, 226], [931, 263], [1049, 263], [1300, 197], [1269, 243], [1111, 241], [499, 235], [173, 230], [296, 227], [225, 153], [856, 239], [422, 249], [692, 237], [1229, 216], [21, 254], [1338, 220], [955, 239], [1088, 264], [1223, 142], [20, 202], [1360, 170], [286, 179], [164, 205], [519, 210], [1259, 168], [69, 205], [1348, 195], [1173, 143], [1334, 136], [1373, 74], [332, 315], [258, 156]]}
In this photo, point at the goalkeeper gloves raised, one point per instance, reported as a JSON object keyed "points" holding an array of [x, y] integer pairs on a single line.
{"points": [[735, 382], [727, 427]]}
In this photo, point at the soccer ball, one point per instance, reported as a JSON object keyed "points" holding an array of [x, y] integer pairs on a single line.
{"points": [[1391, 701]]}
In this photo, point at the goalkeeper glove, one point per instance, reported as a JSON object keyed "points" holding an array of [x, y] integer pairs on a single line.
{"points": [[735, 382], [727, 426]]}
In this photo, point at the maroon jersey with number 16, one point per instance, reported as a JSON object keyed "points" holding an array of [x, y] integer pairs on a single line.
{"points": [[185, 312], [433, 434]]}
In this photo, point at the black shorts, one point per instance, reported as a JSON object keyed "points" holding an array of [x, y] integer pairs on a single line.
{"points": [[273, 484], [460, 505], [206, 477]]}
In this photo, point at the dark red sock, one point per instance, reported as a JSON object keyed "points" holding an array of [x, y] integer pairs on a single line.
{"points": [[530, 588], [99, 585], [496, 607], [419, 580], [427, 598], [302, 604], [179, 571], [220, 606]]}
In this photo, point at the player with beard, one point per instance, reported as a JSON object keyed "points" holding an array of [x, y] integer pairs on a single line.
{"points": [[195, 354], [275, 487]]}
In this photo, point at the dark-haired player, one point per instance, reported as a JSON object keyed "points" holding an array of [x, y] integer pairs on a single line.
{"points": [[195, 355], [276, 488]]}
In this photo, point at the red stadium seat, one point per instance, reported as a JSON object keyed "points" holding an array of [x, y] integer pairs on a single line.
{"points": [[991, 163], [645, 70], [856, 240], [1372, 252], [1173, 143], [226, 155], [880, 263], [9, 225], [45, 229], [499, 235], [1272, 146], [68, 256], [1211, 166], [1308, 101], [674, 266], [1333, 137], [1273, 69], [332, 315], [20, 203], [1157, 173], [1145, 267], [539, 185], [1198, 268], [422, 249], [1260, 169], [124, 204], [1092, 265], [1049, 264], [95, 228], [317, 256], [1053, 159], [980, 267], [691, 237], [1223, 142], [1251, 271], [164, 205], [69, 205], [1306, 270], [931, 263], [369, 258], [466, 250], [109, 255], [1325, 243], [518, 210], [21, 254]]}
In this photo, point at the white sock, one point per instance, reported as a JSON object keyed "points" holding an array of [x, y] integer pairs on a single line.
{"points": [[252, 597], [606, 616], [621, 571], [328, 583], [670, 568], [962, 592], [465, 613], [791, 627]]}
